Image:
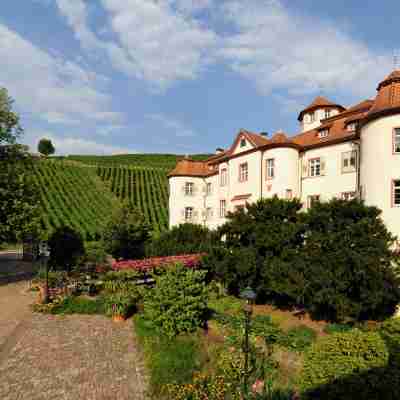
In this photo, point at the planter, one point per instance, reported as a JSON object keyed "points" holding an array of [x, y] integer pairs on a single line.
{"points": [[118, 318]]}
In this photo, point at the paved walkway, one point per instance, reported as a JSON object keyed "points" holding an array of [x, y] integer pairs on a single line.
{"points": [[65, 358]]}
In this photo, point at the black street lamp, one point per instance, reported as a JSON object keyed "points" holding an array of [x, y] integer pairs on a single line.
{"points": [[44, 254], [249, 295]]}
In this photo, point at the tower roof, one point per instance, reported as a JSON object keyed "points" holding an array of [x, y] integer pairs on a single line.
{"points": [[319, 102], [387, 99]]}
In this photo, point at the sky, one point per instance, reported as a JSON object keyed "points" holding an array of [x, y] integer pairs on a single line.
{"points": [[184, 76]]}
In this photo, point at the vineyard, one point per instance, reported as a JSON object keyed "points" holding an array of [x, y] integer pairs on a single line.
{"points": [[164, 161], [72, 195], [146, 188]]}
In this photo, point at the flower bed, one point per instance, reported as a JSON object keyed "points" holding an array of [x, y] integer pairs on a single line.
{"points": [[188, 260]]}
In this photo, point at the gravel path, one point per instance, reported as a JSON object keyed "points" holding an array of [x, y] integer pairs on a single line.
{"points": [[74, 357]]}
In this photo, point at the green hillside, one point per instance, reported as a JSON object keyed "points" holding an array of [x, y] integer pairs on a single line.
{"points": [[72, 195], [147, 188], [165, 161]]}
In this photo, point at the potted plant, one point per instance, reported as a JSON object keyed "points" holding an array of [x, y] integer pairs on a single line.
{"points": [[117, 306]]}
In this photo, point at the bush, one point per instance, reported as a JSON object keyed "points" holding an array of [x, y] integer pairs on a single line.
{"points": [[181, 239], [390, 332], [171, 361], [178, 302], [66, 248], [126, 232], [347, 263], [95, 255], [343, 364], [79, 305]]}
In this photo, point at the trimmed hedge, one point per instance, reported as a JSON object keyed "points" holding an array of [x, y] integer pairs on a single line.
{"points": [[343, 365]]}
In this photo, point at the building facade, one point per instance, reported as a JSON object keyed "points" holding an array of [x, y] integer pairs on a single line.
{"points": [[340, 152]]}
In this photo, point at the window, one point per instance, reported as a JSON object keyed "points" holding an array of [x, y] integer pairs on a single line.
{"points": [[349, 161], [222, 208], [188, 213], [396, 140], [189, 188], [351, 127], [270, 173], [243, 172], [208, 189], [323, 133], [396, 193], [223, 177], [209, 213], [289, 194], [327, 113], [314, 166], [311, 200], [243, 143], [312, 117], [348, 195]]}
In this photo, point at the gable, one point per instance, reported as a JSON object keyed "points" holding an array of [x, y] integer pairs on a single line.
{"points": [[242, 143]]}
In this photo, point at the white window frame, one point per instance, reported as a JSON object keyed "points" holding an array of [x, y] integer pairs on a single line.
{"points": [[312, 198], [351, 127], [208, 189], [348, 195], [189, 213], [209, 213], [396, 141], [314, 167], [222, 208], [327, 113], [243, 172], [396, 193], [189, 188], [347, 165], [312, 116], [243, 142], [289, 194], [323, 133], [223, 179], [270, 168]]}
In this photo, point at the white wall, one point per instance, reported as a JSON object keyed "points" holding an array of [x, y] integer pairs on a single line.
{"points": [[319, 115], [286, 172], [379, 166], [333, 182], [178, 200]]}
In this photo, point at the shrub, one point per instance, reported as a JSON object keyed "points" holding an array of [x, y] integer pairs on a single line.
{"points": [[390, 332], [336, 328], [126, 232], [298, 338], [178, 302], [182, 239], [342, 364], [95, 255], [172, 361], [78, 305], [347, 262], [66, 248]]}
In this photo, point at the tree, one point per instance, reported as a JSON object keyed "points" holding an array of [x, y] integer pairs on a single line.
{"points": [[46, 147], [126, 232], [10, 128], [348, 262], [260, 238], [19, 206], [66, 248]]}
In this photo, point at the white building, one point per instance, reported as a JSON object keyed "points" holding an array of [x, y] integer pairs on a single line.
{"points": [[339, 153]]}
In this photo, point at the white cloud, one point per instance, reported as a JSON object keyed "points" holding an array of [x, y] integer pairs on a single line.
{"points": [[50, 87], [108, 129], [158, 41], [172, 124], [74, 145], [277, 49]]}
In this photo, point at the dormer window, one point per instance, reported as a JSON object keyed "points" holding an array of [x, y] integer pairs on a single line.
{"points": [[312, 117], [323, 133], [327, 113], [351, 127], [243, 143]]}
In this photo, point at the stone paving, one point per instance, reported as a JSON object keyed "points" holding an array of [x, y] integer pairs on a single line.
{"points": [[65, 357]]}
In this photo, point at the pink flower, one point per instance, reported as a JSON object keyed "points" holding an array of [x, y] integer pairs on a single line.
{"points": [[258, 386]]}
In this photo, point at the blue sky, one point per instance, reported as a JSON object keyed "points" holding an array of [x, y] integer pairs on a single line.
{"points": [[183, 76]]}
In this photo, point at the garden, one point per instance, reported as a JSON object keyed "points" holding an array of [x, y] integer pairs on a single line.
{"points": [[276, 304]]}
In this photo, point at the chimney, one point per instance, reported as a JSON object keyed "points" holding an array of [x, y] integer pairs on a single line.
{"points": [[265, 134], [219, 150]]}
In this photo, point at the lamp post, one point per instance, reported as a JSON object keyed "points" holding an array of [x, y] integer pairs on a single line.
{"points": [[44, 254], [249, 295]]}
